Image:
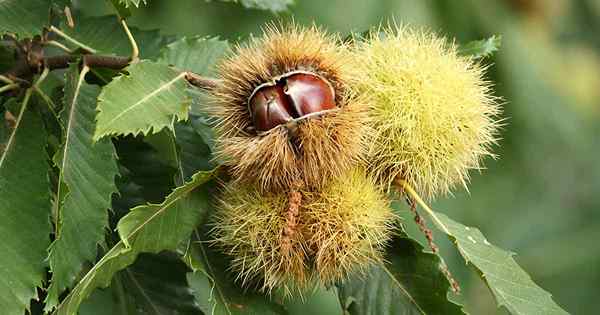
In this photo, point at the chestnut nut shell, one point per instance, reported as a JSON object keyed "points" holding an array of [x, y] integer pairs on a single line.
{"points": [[291, 96]]}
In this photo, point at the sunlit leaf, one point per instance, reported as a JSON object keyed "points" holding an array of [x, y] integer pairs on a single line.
{"points": [[24, 211], [410, 282], [147, 99], [87, 181], [151, 228]]}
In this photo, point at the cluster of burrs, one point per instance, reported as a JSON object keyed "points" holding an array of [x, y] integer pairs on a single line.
{"points": [[314, 131]]}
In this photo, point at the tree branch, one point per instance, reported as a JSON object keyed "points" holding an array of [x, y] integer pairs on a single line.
{"points": [[32, 62], [204, 83]]}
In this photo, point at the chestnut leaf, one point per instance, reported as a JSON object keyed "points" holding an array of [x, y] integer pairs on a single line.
{"points": [[105, 35], [409, 282], [24, 209], [87, 172], [482, 48], [215, 290], [196, 54], [24, 18], [511, 286], [149, 228], [144, 101]]}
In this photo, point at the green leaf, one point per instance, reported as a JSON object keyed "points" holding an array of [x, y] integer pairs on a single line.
{"points": [[111, 300], [512, 287], [151, 228], [122, 10], [205, 129], [24, 211], [410, 282], [105, 35], [136, 3], [86, 183], [216, 293], [183, 149], [152, 96], [194, 153], [274, 6], [145, 178], [199, 55], [196, 54], [482, 48], [154, 284], [4, 128], [25, 18]]}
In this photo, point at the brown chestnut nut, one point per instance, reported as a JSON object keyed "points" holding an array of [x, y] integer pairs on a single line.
{"points": [[291, 96], [269, 107], [309, 93]]}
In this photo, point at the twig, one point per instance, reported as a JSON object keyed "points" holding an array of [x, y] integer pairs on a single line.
{"points": [[9, 87], [42, 77], [6, 80], [72, 40], [59, 45], [49, 102], [411, 198], [410, 191], [135, 51], [31, 60], [69, 17], [422, 225], [204, 83]]}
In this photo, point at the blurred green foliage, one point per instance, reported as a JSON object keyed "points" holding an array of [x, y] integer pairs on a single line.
{"points": [[540, 198]]}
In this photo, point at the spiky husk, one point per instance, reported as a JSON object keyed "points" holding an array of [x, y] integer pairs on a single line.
{"points": [[348, 223], [338, 230], [433, 115], [249, 227], [321, 147]]}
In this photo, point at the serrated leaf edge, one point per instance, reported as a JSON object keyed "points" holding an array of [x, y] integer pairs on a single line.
{"points": [[99, 134]]}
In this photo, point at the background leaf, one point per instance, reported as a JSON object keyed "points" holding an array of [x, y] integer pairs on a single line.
{"points": [[154, 284], [274, 6], [105, 34], [481, 48], [88, 171], [135, 3], [196, 54], [25, 18], [151, 228], [410, 282], [24, 211], [152, 96], [512, 287], [194, 136], [215, 291], [122, 9]]}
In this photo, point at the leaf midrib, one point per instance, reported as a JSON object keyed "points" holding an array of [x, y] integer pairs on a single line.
{"points": [[141, 101], [121, 244], [63, 163], [403, 289], [211, 271], [142, 291]]}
